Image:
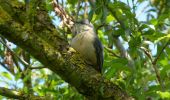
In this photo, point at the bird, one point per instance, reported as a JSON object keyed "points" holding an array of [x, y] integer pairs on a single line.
{"points": [[86, 42]]}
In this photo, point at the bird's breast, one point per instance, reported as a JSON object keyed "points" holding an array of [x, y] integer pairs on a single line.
{"points": [[83, 43]]}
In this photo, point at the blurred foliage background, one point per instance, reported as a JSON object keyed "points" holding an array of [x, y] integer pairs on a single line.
{"points": [[135, 35]]}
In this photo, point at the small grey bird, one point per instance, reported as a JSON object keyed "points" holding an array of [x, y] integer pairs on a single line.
{"points": [[86, 42]]}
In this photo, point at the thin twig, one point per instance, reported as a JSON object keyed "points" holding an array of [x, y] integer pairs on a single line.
{"points": [[41, 67], [158, 76], [154, 65], [99, 27], [155, 61], [22, 61], [158, 56], [147, 52], [67, 20], [78, 8], [111, 51]]}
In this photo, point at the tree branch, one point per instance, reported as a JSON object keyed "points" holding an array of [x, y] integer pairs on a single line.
{"points": [[70, 67], [154, 61], [155, 67], [11, 93]]}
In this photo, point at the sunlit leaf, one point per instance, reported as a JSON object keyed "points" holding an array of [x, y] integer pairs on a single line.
{"points": [[164, 95], [6, 75]]}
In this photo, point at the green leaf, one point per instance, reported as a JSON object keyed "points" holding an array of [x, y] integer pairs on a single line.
{"points": [[73, 2], [146, 29], [17, 76], [165, 71], [6, 75], [162, 38], [164, 95], [154, 21], [109, 18]]}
